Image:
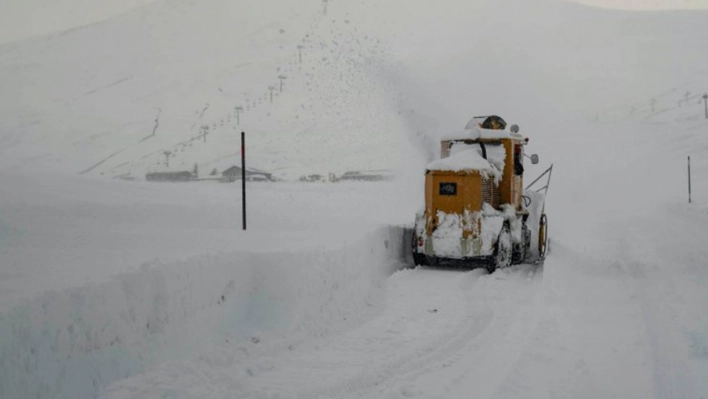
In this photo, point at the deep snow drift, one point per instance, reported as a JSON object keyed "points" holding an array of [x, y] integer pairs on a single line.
{"points": [[129, 275], [131, 289]]}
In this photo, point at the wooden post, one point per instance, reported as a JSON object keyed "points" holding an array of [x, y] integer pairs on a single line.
{"points": [[243, 176]]}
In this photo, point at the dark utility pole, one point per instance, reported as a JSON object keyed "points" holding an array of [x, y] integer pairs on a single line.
{"points": [[243, 177], [705, 102]]}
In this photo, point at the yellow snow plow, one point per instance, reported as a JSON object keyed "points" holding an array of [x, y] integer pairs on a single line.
{"points": [[477, 211]]}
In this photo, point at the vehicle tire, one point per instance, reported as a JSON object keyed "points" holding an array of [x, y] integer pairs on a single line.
{"points": [[491, 267], [503, 251], [543, 237], [522, 249], [420, 259]]}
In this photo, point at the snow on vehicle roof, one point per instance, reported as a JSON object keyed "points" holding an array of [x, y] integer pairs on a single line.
{"points": [[477, 132], [469, 157]]}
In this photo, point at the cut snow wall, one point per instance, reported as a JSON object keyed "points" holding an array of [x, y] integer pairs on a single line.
{"points": [[74, 343]]}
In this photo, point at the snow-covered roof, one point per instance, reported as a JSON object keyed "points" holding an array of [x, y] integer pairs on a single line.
{"points": [[476, 133], [469, 157]]}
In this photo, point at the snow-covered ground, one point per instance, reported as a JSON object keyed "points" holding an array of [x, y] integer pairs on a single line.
{"points": [[20, 20], [130, 289]]}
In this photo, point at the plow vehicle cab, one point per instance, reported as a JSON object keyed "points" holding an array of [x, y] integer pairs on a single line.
{"points": [[476, 209]]}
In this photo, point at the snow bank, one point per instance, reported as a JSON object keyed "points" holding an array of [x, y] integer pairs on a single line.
{"points": [[73, 343]]}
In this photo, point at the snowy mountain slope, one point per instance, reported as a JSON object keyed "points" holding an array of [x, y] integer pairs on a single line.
{"points": [[20, 20], [542, 58], [365, 78], [156, 74]]}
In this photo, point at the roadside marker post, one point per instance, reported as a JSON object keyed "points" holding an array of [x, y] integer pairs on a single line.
{"points": [[689, 179], [243, 177]]}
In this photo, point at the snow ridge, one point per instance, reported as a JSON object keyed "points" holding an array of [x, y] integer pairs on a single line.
{"points": [[74, 343]]}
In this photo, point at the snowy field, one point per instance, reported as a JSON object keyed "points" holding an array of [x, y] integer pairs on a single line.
{"points": [[115, 287], [106, 285]]}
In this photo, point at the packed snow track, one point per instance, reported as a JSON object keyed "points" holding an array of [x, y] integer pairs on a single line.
{"points": [[616, 309], [432, 325]]}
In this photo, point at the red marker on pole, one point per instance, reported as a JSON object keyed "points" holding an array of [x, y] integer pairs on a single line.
{"points": [[243, 176]]}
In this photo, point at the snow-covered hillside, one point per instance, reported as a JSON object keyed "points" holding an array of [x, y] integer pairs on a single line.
{"points": [[111, 98], [133, 289], [112, 106], [20, 20]]}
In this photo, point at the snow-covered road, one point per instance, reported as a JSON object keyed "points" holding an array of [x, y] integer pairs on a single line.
{"points": [[436, 332], [616, 310], [618, 318]]}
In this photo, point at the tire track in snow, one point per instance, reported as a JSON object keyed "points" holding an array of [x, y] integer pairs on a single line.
{"points": [[438, 329], [486, 363], [426, 317], [671, 374], [635, 260], [669, 371], [491, 304], [518, 340], [443, 353]]}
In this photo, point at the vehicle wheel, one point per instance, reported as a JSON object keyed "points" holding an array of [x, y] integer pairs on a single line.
{"points": [[543, 237], [420, 259], [522, 248], [503, 251], [491, 267]]}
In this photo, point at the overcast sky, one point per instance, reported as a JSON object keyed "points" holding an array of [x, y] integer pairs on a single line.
{"points": [[20, 19], [647, 4]]}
